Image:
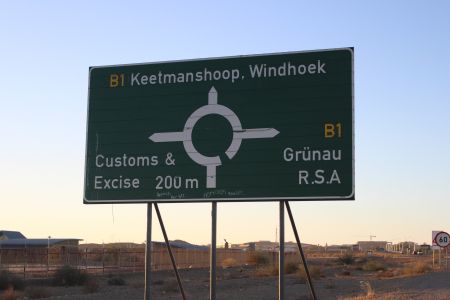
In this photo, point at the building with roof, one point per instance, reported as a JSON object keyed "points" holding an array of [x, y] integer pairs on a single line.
{"points": [[8, 235], [15, 239], [178, 244], [372, 246]]}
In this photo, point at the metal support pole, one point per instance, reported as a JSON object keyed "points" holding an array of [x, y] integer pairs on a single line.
{"points": [[148, 254], [281, 255], [297, 238], [169, 249], [48, 260], [439, 258], [212, 273], [433, 258]]}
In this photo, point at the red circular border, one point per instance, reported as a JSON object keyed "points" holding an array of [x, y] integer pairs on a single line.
{"points": [[448, 243]]}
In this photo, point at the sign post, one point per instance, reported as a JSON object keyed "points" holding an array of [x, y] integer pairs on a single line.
{"points": [[439, 240], [213, 252], [148, 254], [281, 253], [272, 127]]}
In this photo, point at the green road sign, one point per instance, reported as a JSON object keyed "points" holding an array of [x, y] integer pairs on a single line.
{"points": [[262, 127]]}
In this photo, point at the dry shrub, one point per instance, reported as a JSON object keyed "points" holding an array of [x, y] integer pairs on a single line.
{"points": [[258, 258], [171, 286], [329, 285], [290, 268], [266, 271], [158, 282], [37, 292], [417, 268], [9, 280], [91, 286], [365, 285], [69, 276], [9, 294], [346, 259], [373, 266], [314, 271], [229, 263], [360, 260], [116, 280], [388, 274]]}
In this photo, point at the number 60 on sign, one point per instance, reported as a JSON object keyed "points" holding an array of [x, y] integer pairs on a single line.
{"points": [[442, 239]]}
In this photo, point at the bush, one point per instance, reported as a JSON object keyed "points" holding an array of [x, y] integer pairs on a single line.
{"points": [[360, 260], [229, 263], [37, 292], [258, 258], [91, 286], [418, 268], [388, 274], [69, 276], [365, 285], [171, 286], [9, 294], [267, 271], [9, 280], [373, 266], [314, 271], [290, 268], [346, 259], [116, 280]]}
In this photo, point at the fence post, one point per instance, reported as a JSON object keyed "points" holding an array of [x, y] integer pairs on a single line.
{"points": [[25, 263], [48, 261], [134, 261], [86, 259], [103, 259], [118, 261]]}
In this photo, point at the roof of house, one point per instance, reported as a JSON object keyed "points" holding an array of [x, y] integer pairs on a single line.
{"points": [[15, 239], [182, 245], [23, 243], [8, 235]]}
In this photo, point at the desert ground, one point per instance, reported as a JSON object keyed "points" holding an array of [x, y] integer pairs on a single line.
{"points": [[334, 277]]}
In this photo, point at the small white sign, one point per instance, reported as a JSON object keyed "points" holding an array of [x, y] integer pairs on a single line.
{"points": [[433, 237]]}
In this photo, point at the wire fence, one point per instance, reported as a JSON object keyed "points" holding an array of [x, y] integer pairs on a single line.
{"points": [[42, 262]]}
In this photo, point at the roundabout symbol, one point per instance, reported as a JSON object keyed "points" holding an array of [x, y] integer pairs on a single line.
{"points": [[212, 162]]}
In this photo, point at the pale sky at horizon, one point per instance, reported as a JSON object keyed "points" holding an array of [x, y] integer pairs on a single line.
{"points": [[402, 112]]}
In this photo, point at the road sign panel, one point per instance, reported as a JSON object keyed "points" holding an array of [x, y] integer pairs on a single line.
{"points": [[262, 127], [442, 239]]}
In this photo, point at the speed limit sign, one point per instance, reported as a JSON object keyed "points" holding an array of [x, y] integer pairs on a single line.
{"points": [[442, 239]]}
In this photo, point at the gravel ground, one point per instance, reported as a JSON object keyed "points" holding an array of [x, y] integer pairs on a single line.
{"points": [[241, 283]]}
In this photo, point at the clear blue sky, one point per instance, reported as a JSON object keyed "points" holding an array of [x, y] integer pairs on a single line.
{"points": [[402, 109]]}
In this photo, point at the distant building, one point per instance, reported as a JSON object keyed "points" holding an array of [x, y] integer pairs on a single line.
{"points": [[269, 246], [15, 239], [408, 248], [10, 235], [372, 246], [342, 248], [178, 244]]}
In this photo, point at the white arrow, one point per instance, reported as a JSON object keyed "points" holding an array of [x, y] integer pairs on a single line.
{"points": [[167, 137], [256, 133]]}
